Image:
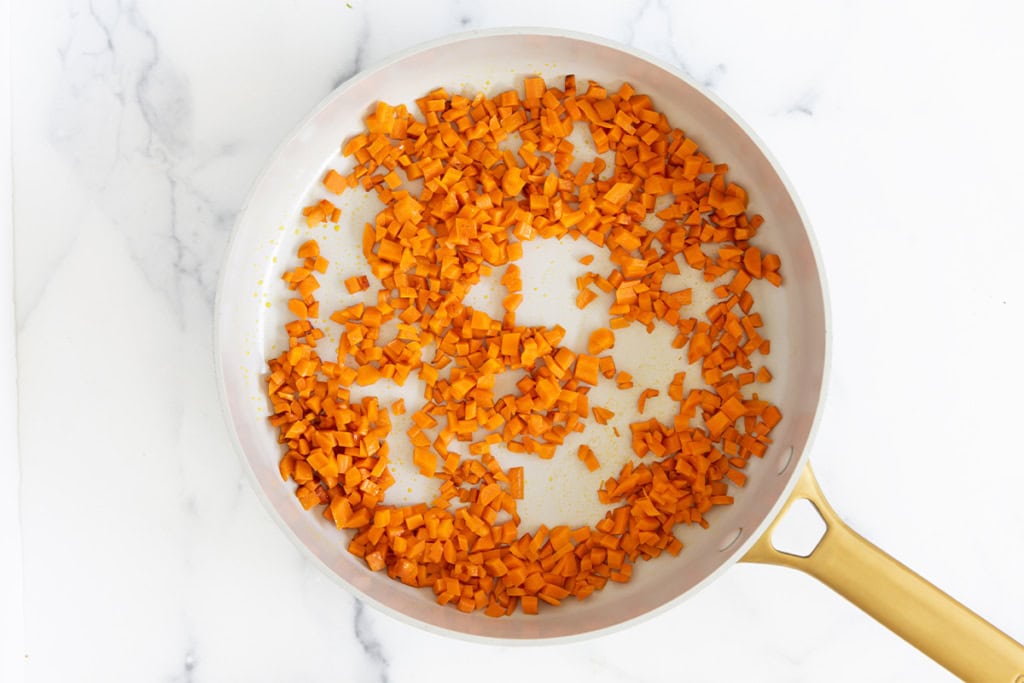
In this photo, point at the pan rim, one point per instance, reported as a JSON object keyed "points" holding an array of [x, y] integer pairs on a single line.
{"points": [[796, 465]]}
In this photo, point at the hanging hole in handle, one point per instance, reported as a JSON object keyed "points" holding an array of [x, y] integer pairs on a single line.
{"points": [[730, 540], [800, 530], [784, 460]]}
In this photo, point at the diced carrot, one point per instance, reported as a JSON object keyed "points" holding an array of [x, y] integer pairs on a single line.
{"points": [[533, 88], [309, 249], [585, 297], [357, 283], [480, 201], [600, 340], [334, 182], [644, 395], [298, 308], [516, 482], [586, 368], [586, 454]]}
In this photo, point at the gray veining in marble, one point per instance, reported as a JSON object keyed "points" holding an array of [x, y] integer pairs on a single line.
{"points": [[137, 128]]}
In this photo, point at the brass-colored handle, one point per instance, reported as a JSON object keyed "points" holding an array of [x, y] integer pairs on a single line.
{"points": [[907, 604]]}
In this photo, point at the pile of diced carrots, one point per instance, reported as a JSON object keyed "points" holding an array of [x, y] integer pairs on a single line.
{"points": [[426, 249]]}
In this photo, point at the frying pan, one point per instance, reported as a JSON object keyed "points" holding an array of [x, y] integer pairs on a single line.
{"points": [[250, 313]]}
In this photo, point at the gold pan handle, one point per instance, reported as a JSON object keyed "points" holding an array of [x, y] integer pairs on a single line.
{"points": [[907, 604]]}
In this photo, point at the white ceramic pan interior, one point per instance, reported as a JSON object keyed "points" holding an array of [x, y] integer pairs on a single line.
{"points": [[251, 310]]}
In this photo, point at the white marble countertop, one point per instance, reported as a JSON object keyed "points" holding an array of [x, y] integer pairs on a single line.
{"points": [[133, 549]]}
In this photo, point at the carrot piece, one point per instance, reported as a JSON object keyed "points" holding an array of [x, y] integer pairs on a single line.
{"points": [[733, 408], [510, 343], [675, 387], [511, 302], [334, 182], [586, 369], [512, 279], [717, 423], [644, 395], [752, 261], [533, 88], [516, 483], [585, 297], [314, 215], [357, 283], [739, 282], [298, 308], [367, 375], [586, 454], [600, 340], [529, 603], [309, 249]]}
